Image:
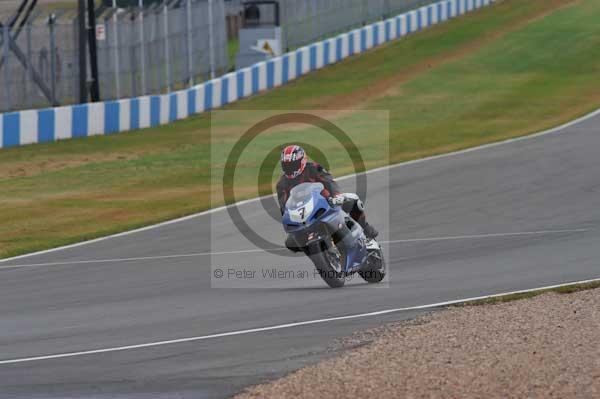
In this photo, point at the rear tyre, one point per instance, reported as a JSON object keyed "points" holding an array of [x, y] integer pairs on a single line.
{"points": [[375, 269]]}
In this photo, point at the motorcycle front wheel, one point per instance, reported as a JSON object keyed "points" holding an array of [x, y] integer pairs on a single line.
{"points": [[330, 263]]}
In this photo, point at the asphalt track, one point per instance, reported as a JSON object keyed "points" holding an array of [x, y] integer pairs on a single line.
{"points": [[505, 217]]}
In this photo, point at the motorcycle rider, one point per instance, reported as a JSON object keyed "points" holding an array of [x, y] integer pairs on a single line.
{"points": [[298, 169]]}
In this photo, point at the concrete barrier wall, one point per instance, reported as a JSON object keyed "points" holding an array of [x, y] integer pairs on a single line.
{"points": [[45, 125]]}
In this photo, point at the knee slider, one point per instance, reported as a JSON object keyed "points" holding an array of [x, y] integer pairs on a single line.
{"points": [[360, 205]]}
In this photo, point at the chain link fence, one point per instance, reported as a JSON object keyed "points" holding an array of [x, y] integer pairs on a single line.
{"points": [[162, 50], [307, 21], [38, 65], [168, 46]]}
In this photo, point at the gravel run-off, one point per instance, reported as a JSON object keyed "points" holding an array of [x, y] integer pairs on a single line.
{"points": [[544, 347]]}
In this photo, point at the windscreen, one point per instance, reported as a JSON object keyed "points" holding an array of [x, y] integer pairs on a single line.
{"points": [[301, 194]]}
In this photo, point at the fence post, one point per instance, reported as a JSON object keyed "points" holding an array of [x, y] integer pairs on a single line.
{"points": [[82, 49], [158, 75], [51, 20], [190, 55], [167, 49], [142, 47], [28, 101], [315, 22], [6, 51], [116, 50], [211, 39], [284, 25], [133, 68], [93, 46]]}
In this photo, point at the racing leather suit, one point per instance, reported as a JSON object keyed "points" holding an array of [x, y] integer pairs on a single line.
{"points": [[315, 173]]}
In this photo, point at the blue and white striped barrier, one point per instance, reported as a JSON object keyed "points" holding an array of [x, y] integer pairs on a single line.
{"points": [[39, 126]]}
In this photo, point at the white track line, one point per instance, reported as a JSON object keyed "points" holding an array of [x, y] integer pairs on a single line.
{"points": [[557, 129], [117, 260], [245, 251], [282, 326], [493, 235]]}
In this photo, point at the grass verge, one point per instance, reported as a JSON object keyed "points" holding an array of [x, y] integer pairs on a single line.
{"points": [[567, 289], [508, 70]]}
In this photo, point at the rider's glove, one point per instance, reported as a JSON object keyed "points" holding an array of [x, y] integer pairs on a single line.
{"points": [[336, 200]]}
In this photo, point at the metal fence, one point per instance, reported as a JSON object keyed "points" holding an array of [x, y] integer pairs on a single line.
{"points": [[164, 48], [233, 7], [38, 66], [306, 21]]}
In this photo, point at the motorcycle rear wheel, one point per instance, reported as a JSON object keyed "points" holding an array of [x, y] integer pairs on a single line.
{"points": [[375, 270]]}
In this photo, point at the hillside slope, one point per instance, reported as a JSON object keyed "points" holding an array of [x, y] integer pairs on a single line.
{"points": [[507, 70]]}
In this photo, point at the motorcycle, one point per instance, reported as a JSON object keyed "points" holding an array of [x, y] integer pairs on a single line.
{"points": [[334, 242]]}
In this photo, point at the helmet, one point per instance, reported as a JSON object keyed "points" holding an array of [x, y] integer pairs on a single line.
{"points": [[293, 161]]}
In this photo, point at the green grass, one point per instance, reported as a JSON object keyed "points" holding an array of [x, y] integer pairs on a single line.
{"points": [[504, 71], [567, 289]]}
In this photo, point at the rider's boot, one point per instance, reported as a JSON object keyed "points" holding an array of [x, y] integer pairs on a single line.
{"points": [[370, 231]]}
